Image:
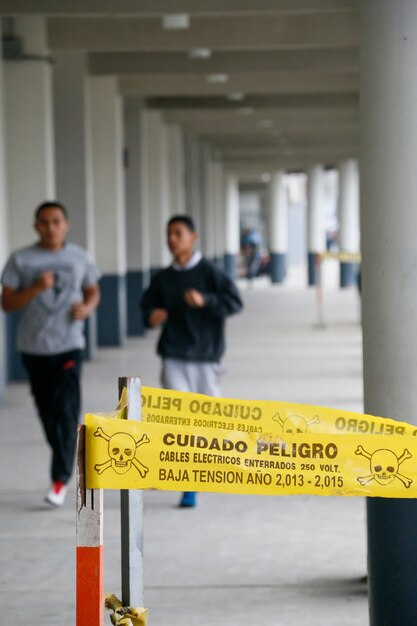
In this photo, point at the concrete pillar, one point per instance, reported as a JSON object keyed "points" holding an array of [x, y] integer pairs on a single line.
{"points": [[316, 233], [349, 240], [219, 208], [157, 187], [72, 145], [232, 230], [109, 207], [176, 165], [389, 247], [4, 247], [278, 226], [30, 175], [137, 216], [211, 211], [207, 220], [193, 181]]}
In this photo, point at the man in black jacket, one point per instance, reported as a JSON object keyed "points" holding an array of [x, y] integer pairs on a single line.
{"points": [[190, 299]]}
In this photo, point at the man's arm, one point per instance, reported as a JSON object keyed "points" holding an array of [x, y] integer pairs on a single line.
{"points": [[154, 314], [14, 299], [82, 310], [225, 300]]}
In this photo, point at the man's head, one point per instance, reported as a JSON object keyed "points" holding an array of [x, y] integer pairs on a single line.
{"points": [[51, 224], [181, 237]]}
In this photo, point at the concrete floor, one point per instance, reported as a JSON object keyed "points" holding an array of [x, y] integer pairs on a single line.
{"points": [[234, 559]]}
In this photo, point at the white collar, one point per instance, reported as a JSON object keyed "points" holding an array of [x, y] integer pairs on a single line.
{"points": [[195, 259]]}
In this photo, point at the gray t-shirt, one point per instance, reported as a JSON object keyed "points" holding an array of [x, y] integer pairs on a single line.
{"points": [[46, 326]]}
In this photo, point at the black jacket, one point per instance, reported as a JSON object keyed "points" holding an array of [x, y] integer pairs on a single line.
{"points": [[192, 334]]}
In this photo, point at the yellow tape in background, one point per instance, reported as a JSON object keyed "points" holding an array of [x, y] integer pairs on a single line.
{"points": [[177, 408], [189, 442]]}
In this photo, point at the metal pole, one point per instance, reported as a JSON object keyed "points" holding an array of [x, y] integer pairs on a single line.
{"points": [[131, 509]]}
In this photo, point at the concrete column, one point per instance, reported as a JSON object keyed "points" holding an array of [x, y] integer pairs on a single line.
{"points": [[73, 179], [157, 187], [206, 203], [193, 181], [137, 216], [219, 200], [211, 212], [316, 232], [389, 246], [109, 207], [176, 165], [30, 175], [349, 218], [278, 226], [232, 225], [4, 247], [73, 186]]}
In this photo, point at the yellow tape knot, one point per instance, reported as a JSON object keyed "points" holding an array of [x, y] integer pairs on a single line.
{"points": [[125, 615]]}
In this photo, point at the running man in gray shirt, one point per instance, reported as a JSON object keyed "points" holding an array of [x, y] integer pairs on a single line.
{"points": [[55, 286]]}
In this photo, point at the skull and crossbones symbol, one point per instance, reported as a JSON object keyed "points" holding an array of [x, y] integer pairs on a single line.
{"points": [[384, 465], [295, 423], [122, 450]]}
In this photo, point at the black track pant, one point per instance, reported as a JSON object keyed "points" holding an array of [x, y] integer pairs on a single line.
{"points": [[55, 385]]}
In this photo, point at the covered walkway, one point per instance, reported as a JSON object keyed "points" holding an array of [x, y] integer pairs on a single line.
{"points": [[235, 559]]}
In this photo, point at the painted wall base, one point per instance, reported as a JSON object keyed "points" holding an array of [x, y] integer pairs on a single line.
{"points": [[137, 281], [90, 332], [348, 273], [15, 370], [153, 271], [3, 357], [219, 262], [278, 267], [312, 273], [230, 265], [111, 313], [391, 524]]}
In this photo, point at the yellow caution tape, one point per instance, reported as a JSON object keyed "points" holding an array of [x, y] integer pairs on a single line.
{"points": [[345, 257], [189, 442], [125, 616], [177, 408]]}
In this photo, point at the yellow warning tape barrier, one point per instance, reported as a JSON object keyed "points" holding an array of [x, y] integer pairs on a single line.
{"points": [[190, 442], [345, 257]]}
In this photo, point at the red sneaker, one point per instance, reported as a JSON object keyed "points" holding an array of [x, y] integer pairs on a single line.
{"points": [[56, 495]]}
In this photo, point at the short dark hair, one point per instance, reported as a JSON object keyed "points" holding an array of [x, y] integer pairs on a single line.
{"points": [[51, 204], [182, 219]]}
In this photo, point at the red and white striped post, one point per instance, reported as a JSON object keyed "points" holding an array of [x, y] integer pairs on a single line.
{"points": [[90, 555]]}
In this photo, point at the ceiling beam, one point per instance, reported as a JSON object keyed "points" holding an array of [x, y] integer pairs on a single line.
{"points": [[155, 85], [296, 102], [161, 7], [233, 124], [276, 140], [295, 162], [218, 32], [241, 132], [302, 61], [263, 153], [285, 115]]}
